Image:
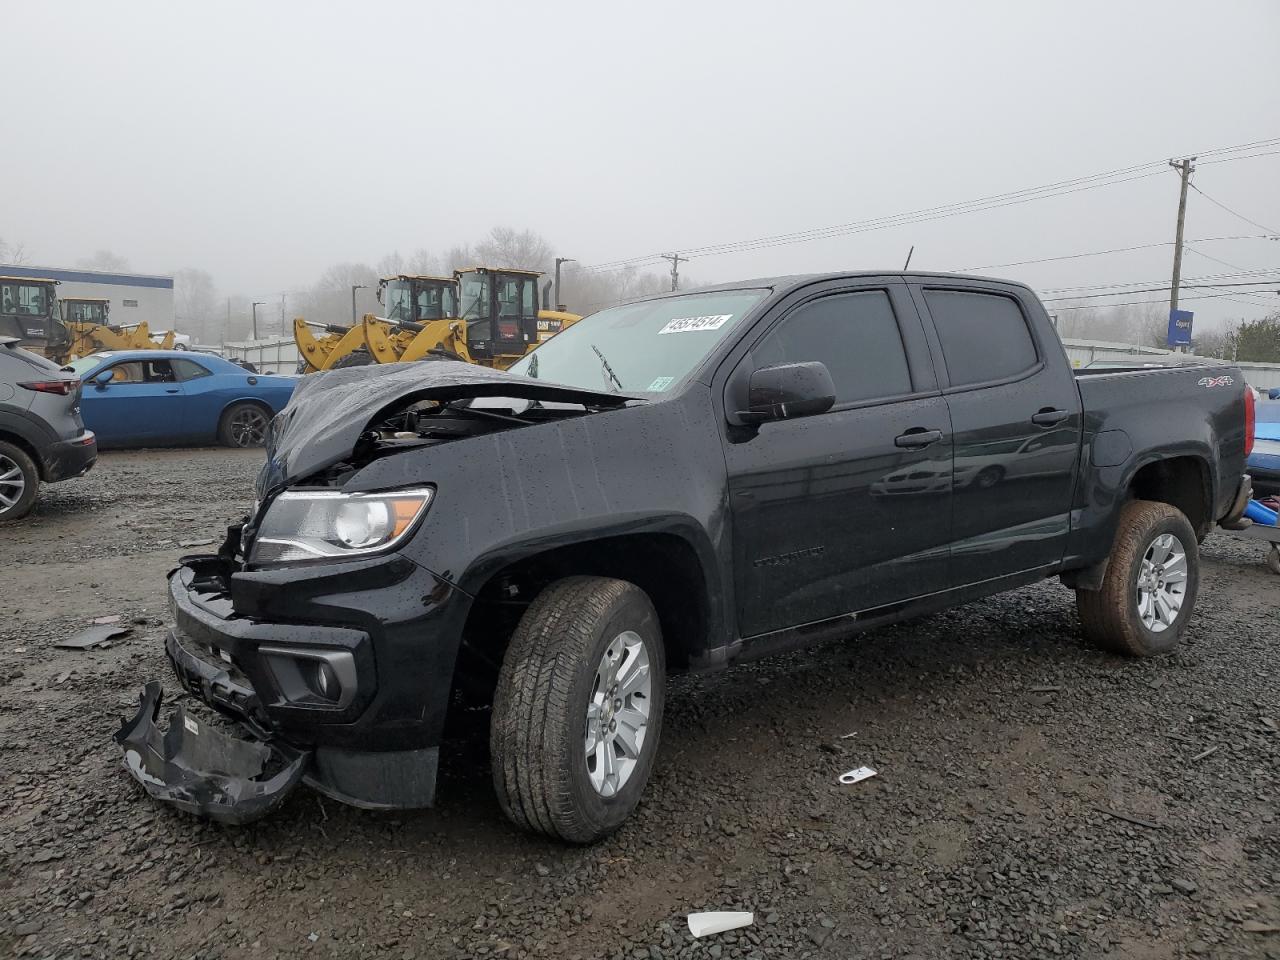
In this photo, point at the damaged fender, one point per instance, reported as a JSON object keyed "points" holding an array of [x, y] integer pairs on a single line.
{"points": [[202, 770]]}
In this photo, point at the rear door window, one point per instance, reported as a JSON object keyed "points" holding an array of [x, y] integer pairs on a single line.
{"points": [[984, 336], [854, 334]]}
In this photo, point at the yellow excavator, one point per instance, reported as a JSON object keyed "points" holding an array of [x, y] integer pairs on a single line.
{"points": [[483, 315]]}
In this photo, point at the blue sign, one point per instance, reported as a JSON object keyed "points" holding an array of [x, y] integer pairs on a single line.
{"points": [[1180, 328]]}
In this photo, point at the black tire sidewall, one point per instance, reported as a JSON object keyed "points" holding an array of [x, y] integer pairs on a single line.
{"points": [[603, 814], [30, 473], [1167, 639]]}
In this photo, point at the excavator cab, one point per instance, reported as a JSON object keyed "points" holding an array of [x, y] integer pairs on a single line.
{"points": [[500, 307], [29, 311], [86, 310], [415, 299]]}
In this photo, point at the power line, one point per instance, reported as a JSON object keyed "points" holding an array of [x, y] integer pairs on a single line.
{"points": [[1187, 286], [1099, 253], [980, 204], [1242, 272], [1128, 303], [1269, 153], [1239, 216]]}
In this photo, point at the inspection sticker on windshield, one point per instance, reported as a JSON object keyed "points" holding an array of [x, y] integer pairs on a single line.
{"points": [[689, 324], [661, 383]]}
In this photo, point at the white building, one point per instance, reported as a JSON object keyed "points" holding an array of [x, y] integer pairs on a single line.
{"points": [[134, 297]]}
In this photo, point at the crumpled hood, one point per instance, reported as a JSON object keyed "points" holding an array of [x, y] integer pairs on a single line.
{"points": [[329, 411]]}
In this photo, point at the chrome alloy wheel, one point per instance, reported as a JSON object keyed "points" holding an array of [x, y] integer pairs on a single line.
{"points": [[248, 427], [1162, 583], [12, 483], [618, 713]]}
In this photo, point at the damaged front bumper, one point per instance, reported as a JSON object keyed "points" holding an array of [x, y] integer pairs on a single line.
{"points": [[299, 674], [201, 770]]}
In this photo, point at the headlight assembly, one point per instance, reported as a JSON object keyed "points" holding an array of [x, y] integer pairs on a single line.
{"points": [[329, 525]]}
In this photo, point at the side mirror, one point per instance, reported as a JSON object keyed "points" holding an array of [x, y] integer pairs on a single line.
{"points": [[103, 378], [789, 390]]}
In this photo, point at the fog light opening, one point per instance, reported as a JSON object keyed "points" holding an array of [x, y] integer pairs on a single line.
{"points": [[324, 681]]}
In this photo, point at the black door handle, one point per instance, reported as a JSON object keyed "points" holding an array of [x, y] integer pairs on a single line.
{"points": [[172, 390], [1048, 417], [917, 438]]}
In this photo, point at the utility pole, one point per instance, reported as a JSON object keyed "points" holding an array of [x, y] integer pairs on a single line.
{"points": [[256, 305], [1185, 169], [560, 260], [354, 288], [676, 260], [283, 328]]}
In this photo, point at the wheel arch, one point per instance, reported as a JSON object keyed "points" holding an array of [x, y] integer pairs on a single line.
{"points": [[15, 431], [666, 565]]}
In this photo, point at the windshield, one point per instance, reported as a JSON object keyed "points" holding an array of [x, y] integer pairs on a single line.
{"points": [[646, 347], [25, 299], [475, 296], [85, 364], [397, 300]]}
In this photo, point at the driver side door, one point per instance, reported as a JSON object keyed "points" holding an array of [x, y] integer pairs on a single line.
{"points": [[142, 403], [847, 510]]}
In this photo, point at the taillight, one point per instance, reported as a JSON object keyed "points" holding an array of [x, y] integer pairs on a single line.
{"points": [[1250, 418], [63, 388]]}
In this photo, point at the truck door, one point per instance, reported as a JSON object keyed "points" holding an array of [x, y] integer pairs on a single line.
{"points": [[1016, 417], [849, 509]]}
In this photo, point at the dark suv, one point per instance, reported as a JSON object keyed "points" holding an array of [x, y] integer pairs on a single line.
{"points": [[41, 434]]}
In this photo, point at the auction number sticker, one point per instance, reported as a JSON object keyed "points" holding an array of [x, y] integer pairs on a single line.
{"points": [[688, 324]]}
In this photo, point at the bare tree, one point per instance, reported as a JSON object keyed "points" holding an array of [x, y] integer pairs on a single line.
{"points": [[424, 263], [391, 265], [104, 260], [13, 253], [329, 300], [197, 309], [522, 249]]}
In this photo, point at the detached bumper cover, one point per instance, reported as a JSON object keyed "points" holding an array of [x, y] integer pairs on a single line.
{"points": [[202, 770]]}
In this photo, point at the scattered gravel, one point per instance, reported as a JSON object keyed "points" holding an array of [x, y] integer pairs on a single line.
{"points": [[1035, 798]]}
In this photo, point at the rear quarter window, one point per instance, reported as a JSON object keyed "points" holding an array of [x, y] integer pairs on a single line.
{"points": [[984, 336]]}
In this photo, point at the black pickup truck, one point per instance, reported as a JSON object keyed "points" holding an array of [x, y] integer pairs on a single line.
{"points": [[677, 483]]}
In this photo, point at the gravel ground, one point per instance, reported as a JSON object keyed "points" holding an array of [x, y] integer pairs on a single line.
{"points": [[1035, 798]]}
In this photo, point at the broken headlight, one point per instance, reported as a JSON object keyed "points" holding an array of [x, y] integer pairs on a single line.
{"points": [[328, 525]]}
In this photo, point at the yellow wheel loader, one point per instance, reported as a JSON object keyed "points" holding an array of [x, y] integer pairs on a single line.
{"points": [[88, 324], [482, 315]]}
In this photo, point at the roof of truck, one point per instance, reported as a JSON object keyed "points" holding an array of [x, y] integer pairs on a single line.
{"points": [[787, 282]]}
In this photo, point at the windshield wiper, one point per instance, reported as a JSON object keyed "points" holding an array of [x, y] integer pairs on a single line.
{"points": [[607, 369]]}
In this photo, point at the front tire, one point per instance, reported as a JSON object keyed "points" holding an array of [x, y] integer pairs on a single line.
{"points": [[19, 482], [578, 709], [1150, 588]]}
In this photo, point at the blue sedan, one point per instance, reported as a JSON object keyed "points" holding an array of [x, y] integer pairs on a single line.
{"points": [[134, 398]]}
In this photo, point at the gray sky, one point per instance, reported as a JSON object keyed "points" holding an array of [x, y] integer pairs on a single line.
{"points": [[265, 141]]}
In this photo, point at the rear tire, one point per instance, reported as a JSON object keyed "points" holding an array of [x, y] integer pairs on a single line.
{"points": [[570, 754], [243, 425], [19, 482], [1139, 611]]}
